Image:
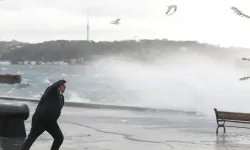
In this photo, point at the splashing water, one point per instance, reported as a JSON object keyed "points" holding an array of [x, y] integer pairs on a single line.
{"points": [[180, 81], [185, 82]]}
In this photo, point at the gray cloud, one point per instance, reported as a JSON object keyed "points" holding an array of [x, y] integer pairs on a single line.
{"points": [[208, 20]]}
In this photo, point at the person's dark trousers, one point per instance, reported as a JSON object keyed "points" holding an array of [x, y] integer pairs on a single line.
{"points": [[40, 125]]}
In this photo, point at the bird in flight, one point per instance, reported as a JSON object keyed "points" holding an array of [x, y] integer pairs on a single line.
{"points": [[116, 22], [170, 8]]}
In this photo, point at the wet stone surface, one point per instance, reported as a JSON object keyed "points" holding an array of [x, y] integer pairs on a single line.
{"points": [[91, 129]]}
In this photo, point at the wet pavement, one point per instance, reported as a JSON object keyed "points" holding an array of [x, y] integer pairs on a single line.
{"points": [[98, 129]]}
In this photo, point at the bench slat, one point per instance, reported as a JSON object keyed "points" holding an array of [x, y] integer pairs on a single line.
{"points": [[229, 112], [239, 117], [236, 121]]}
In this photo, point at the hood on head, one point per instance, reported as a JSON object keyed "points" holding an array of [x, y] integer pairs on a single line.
{"points": [[58, 83]]}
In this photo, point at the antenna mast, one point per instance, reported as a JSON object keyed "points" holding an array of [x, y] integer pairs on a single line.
{"points": [[87, 27]]}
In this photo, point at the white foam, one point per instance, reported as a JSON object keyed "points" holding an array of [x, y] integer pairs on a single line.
{"points": [[186, 81], [75, 97]]}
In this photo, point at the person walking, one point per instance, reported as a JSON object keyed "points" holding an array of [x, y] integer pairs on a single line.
{"points": [[46, 115]]}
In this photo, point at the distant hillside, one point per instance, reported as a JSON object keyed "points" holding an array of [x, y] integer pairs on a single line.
{"points": [[6, 46], [63, 50]]}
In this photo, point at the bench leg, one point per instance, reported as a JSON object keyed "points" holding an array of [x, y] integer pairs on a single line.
{"points": [[221, 125]]}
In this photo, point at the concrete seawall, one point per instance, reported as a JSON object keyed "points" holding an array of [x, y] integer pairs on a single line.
{"points": [[104, 106]]}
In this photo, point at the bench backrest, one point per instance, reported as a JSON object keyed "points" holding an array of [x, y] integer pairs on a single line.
{"points": [[232, 115]]}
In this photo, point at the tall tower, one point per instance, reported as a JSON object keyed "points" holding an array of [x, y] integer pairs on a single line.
{"points": [[87, 27]]}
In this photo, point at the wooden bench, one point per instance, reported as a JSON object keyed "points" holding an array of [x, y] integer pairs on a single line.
{"points": [[225, 116]]}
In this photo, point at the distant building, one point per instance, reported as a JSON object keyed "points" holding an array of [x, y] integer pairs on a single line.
{"points": [[73, 61], [5, 62]]}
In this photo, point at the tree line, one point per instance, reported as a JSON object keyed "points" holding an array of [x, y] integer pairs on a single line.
{"points": [[64, 50]]}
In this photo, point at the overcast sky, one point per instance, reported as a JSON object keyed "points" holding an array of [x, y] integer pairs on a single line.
{"points": [[210, 21]]}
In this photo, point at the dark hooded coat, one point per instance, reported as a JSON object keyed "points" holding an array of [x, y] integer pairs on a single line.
{"points": [[51, 102]]}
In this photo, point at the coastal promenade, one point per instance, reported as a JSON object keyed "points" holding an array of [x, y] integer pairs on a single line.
{"points": [[114, 129]]}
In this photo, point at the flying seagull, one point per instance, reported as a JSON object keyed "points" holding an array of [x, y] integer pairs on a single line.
{"points": [[116, 22], [170, 8]]}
